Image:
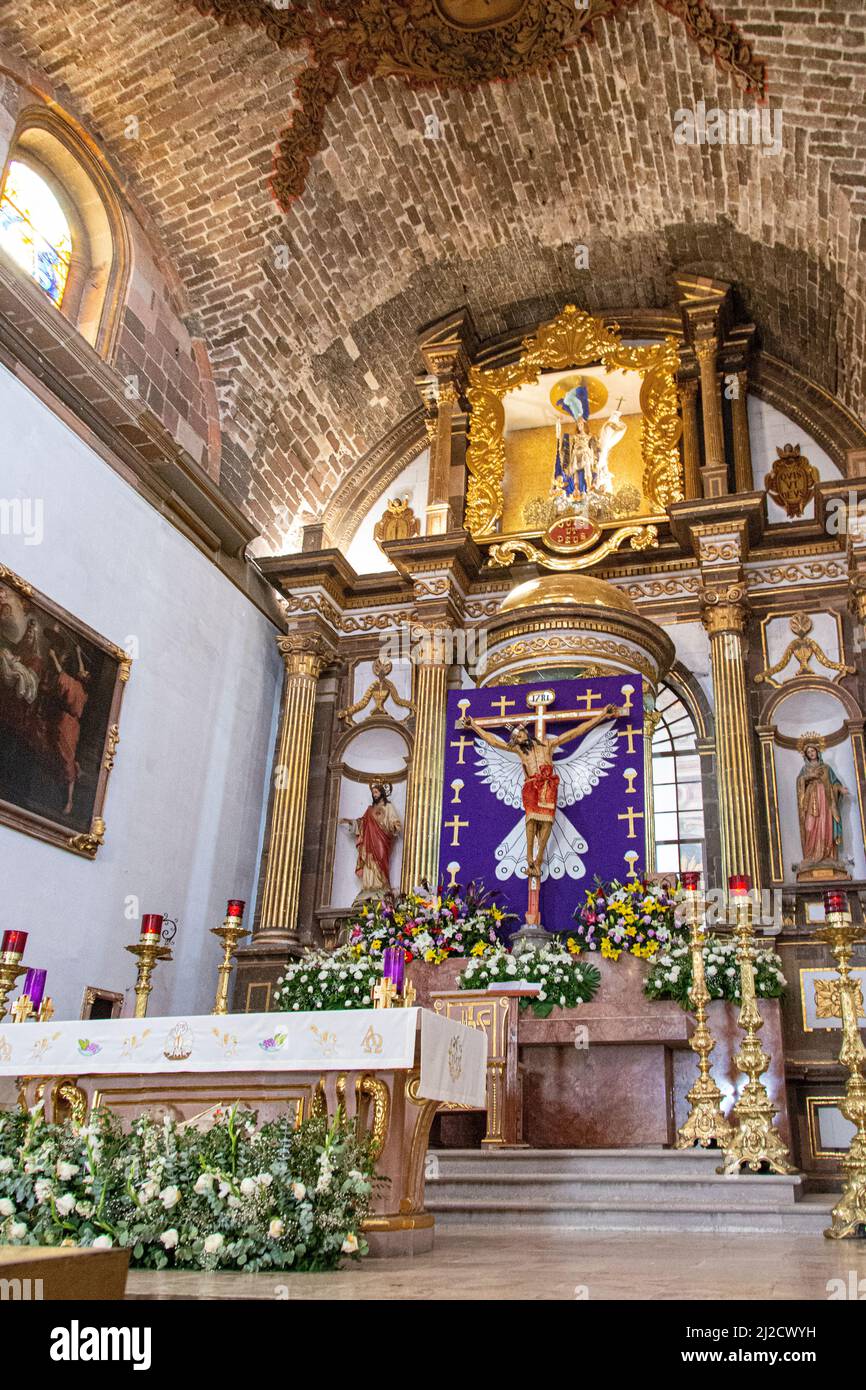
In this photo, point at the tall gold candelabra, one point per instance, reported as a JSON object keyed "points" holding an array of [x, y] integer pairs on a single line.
{"points": [[148, 953], [706, 1123], [840, 934], [756, 1140], [230, 933], [10, 969]]}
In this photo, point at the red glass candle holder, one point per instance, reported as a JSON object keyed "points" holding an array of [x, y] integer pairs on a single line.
{"points": [[836, 901], [739, 883], [691, 880], [13, 943], [151, 927], [235, 907]]}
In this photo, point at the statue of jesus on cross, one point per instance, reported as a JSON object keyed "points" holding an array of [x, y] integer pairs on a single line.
{"points": [[540, 782]]}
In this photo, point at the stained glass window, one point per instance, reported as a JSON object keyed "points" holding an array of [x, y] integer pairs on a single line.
{"points": [[678, 801], [34, 230]]}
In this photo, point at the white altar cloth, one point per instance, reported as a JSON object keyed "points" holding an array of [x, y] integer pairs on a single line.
{"points": [[453, 1057]]}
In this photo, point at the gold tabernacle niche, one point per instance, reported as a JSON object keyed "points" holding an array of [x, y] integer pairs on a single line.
{"points": [[575, 444]]}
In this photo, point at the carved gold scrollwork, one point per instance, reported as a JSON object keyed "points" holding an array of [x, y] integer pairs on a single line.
{"points": [[639, 538], [375, 1090], [68, 1102]]}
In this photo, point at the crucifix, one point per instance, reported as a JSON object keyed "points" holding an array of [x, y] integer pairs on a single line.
{"points": [[535, 751]]}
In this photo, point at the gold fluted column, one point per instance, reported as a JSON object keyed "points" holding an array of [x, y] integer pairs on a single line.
{"points": [[724, 612], [305, 655], [743, 479], [715, 470], [424, 790], [688, 392]]}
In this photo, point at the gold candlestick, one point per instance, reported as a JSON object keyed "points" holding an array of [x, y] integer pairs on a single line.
{"points": [[10, 969], [706, 1123], [148, 953], [229, 934], [840, 934], [755, 1140]]}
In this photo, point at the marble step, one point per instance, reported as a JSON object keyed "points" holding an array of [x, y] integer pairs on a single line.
{"points": [[562, 1189], [626, 1162], [616, 1189], [802, 1218]]}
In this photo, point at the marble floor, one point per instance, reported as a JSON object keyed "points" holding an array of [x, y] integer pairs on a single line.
{"points": [[558, 1264]]}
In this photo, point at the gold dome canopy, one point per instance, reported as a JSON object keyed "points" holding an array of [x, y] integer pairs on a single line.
{"points": [[563, 590]]}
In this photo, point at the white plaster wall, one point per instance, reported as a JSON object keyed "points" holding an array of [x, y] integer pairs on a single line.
{"points": [[693, 652], [185, 801], [363, 553], [769, 429]]}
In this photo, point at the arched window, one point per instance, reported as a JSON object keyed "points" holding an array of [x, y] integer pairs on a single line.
{"points": [[678, 803], [34, 230], [60, 221]]}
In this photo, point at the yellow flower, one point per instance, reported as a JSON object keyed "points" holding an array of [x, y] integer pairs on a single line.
{"points": [[375, 945], [478, 949], [608, 950]]}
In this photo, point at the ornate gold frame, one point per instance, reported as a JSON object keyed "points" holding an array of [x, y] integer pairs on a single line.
{"points": [[573, 339], [85, 842]]}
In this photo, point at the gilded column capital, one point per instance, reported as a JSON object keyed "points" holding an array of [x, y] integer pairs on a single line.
{"points": [[724, 608], [305, 653], [706, 350]]}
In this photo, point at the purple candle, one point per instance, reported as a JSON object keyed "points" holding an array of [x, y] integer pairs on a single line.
{"points": [[34, 987], [394, 966]]}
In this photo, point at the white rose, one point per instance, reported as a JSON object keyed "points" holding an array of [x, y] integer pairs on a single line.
{"points": [[276, 1228], [7, 1208], [169, 1238], [65, 1204], [6, 1165], [17, 1231], [214, 1243], [203, 1183], [43, 1190], [350, 1244], [299, 1192], [148, 1191], [103, 1243], [233, 1201], [84, 1208], [248, 1187], [265, 1179], [65, 1171], [169, 1196]]}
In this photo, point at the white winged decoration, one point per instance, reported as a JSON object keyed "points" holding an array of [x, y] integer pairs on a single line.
{"points": [[578, 773]]}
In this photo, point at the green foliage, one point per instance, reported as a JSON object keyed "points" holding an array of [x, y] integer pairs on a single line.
{"points": [[235, 1196]]}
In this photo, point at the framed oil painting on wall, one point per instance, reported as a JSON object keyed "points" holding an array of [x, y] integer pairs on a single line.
{"points": [[61, 687]]}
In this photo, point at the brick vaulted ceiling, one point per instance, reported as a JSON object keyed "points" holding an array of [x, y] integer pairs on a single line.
{"points": [[310, 316]]}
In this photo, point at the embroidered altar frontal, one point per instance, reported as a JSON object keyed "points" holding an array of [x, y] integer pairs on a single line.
{"points": [[598, 818], [453, 1057]]}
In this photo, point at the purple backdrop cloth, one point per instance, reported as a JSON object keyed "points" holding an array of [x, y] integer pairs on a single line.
{"points": [[599, 825]]}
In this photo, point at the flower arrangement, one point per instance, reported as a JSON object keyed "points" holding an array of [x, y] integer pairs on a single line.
{"points": [[565, 980], [429, 926], [634, 917], [233, 1197], [671, 973], [341, 979]]}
